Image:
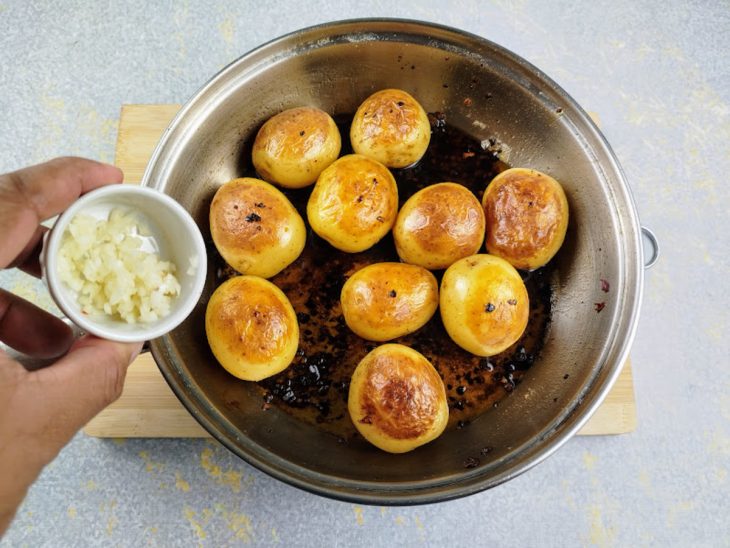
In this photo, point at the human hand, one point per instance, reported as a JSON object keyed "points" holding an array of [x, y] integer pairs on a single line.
{"points": [[40, 411]]}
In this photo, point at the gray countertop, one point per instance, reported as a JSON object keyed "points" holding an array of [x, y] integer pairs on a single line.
{"points": [[657, 72]]}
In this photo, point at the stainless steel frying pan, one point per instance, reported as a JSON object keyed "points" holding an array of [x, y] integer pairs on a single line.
{"points": [[335, 66]]}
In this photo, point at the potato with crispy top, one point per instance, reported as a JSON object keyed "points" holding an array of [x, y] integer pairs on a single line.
{"points": [[292, 148], [384, 301], [392, 127], [484, 304], [438, 225], [397, 400], [255, 227], [354, 203], [251, 328], [527, 217]]}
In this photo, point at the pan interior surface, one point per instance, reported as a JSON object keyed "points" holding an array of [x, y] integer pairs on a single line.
{"points": [[488, 93]]}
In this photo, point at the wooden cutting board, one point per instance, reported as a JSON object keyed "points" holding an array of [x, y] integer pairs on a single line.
{"points": [[149, 409]]}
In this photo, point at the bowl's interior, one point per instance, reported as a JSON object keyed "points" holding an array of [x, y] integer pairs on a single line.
{"points": [[490, 94], [172, 235]]}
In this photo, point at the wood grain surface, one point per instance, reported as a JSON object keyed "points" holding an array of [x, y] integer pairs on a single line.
{"points": [[149, 409]]}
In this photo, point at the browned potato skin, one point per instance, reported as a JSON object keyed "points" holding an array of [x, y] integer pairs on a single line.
{"points": [[384, 301], [292, 148], [251, 328], [255, 227], [354, 203], [397, 400], [438, 225], [527, 217], [392, 127], [484, 304]]}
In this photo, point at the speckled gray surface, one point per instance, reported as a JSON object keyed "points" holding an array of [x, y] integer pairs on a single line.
{"points": [[659, 75]]}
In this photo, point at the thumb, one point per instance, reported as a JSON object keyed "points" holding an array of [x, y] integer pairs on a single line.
{"points": [[74, 389]]}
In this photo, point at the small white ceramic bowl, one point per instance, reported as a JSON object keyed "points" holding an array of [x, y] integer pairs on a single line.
{"points": [[174, 236]]}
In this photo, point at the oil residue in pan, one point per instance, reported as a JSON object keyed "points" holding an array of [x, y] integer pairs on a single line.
{"points": [[314, 387]]}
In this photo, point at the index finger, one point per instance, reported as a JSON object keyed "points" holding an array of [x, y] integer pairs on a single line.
{"points": [[34, 194]]}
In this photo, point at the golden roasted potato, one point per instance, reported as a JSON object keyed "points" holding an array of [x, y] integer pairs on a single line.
{"points": [[397, 399], [484, 304], [354, 203], [255, 227], [392, 127], [527, 217], [251, 328], [438, 225], [384, 301], [292, 148]]}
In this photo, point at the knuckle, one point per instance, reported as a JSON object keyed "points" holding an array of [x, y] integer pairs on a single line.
{"points": [[115, 373], [113, 384], [17, 186]]}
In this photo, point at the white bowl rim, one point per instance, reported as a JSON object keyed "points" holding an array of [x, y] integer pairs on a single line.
{"points": [[49, 262]]}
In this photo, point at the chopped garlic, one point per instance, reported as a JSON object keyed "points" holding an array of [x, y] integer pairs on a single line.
{"points": [[193, 266], [102, 261]]}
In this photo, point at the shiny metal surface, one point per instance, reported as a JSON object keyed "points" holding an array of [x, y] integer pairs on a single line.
{"points": [[334, 67], [651, 238]]}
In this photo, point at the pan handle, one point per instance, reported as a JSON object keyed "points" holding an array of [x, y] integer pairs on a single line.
{"points": [[651, 241]]}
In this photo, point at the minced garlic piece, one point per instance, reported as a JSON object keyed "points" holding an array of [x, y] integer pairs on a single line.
{"points": [[104, 263]]}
